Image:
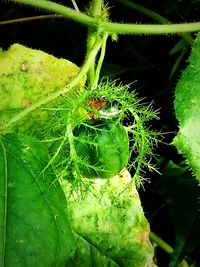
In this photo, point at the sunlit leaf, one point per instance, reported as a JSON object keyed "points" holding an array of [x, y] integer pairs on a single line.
{"points": [[110, 218], [32, 75]]}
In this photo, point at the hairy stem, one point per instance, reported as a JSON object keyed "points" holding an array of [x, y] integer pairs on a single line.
{"points": [[90, 42], [60, 9], [97, 8], [120, 28], [152, 14], [84, 69], [95, 11], [100, 61], [110, 27]]}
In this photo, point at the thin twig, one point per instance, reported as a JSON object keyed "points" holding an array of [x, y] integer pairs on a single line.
{"points": [[75, 5], [11, 21]]}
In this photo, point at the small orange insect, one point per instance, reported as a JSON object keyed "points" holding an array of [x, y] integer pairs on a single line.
{"points": [[97, 104]]}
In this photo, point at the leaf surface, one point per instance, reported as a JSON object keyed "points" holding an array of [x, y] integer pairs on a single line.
{"points": [[32, 75], [34, 227], [110, 219], [187, 109], [87, 255]]}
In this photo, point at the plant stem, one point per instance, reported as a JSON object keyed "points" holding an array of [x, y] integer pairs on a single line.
{"points": [[161, 243], [152, 14], [166, 247], [95, 11], [97, 8], [110, 27], [60, 9], [84, 69], [100, 61], [90, 42], [11, 21], [120, 28]]}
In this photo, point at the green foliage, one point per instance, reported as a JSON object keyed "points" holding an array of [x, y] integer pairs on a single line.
{"points": [[27, 75], [87, 255], [35, 91], [59, 133], [181, 193], [112, 220], [34, 226], [187, 109], [121, 104]]}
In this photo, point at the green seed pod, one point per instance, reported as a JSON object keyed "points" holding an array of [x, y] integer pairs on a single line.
{"points": [[102, 147]]}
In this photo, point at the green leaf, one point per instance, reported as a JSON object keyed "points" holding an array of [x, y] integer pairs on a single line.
{"points": [[34, 227], [187, 109], [33, 75], [87, 255], [181, 193], [109, 217]]}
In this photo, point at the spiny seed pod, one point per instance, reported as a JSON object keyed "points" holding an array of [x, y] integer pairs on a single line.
{"points": [[102, 147]]}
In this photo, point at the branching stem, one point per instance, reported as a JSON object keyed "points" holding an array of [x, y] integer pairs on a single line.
{"points": [[110, 27]]}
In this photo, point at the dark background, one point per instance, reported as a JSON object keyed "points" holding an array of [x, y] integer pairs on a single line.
{"points": [[145, 59]]}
